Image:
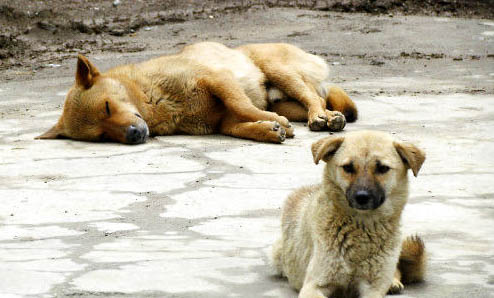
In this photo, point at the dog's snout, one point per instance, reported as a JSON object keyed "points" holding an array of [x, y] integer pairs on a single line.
{"points": [[365, 198], [136, 134]]}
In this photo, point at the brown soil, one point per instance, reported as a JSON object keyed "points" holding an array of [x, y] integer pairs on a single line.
{"points": [[38, 34]]}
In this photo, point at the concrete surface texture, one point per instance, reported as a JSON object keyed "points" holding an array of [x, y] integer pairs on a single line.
{"points": [[187, 216]]}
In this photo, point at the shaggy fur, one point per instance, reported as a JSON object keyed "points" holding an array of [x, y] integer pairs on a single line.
{"points": [[334, 241], [206, 88]]}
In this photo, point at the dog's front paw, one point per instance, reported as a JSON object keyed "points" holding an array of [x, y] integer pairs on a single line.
{"points": [[277, 133], [286, 126], [281, 120], [396, 287], [336, 121], [281, 131]]}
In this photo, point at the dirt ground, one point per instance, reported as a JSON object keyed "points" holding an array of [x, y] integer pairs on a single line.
{"points": [[41, 34]]}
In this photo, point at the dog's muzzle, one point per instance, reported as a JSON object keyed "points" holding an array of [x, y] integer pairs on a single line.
{"points": [[137, 134], [365, 198]]}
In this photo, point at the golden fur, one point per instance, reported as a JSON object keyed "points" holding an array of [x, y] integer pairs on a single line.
{"points": [[206, 88], [334, 241]]}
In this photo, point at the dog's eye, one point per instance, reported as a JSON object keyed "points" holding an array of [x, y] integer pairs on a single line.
{"points": [[138, 116], [107, 105], [382, 169], [348, 168]]}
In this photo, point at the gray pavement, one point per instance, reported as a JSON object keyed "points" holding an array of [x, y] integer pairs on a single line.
{"points": [[187, 216]]}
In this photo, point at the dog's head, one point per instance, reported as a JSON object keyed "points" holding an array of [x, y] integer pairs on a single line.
{"points": [[369, 168], [100, 108]]}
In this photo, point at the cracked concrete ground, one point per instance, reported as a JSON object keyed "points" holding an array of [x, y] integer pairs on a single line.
{"points": [[187, 216]]}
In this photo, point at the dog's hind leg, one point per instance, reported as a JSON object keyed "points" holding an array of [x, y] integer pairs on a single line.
{"points": [[292, 110], [224, 87], [396, 286], [411, 265], [292, 84], [338, 100], [263, 131], [295, 111]]}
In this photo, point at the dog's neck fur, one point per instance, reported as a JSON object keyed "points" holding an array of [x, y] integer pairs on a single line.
{"points": [[148, 89], [129, 76]]}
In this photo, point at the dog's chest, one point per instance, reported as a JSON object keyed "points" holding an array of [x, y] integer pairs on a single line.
{"points": [[357, 253], [191, 113]]}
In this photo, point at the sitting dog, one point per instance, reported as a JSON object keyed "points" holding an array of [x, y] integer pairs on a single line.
{"points": [[342, 237], [206, 88]]}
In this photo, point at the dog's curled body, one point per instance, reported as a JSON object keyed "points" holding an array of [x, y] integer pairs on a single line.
{"points": [[328, 246], [206, 88]]}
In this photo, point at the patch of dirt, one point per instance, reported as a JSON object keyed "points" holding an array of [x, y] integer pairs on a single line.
{"points": [[35, 34]]}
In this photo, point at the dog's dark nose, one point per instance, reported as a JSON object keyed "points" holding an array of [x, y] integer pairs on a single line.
{"points": [[362, 197], [365, 198], [136, 134]]}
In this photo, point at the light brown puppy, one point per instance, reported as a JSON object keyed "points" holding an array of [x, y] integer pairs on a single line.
{"points": [[342, 237], [206, 88]]}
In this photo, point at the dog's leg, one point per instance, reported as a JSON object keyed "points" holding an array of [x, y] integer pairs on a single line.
{"points": [[224, 87], [317, 271], [377, 290], [276, 255], [292, 84], [263, 131], [396, 286], [336, 120], [338, 100], [311, 290], [293, 110]]}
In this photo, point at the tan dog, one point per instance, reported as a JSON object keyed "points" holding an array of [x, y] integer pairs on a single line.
{"points": [[342, 237], [206, 88]]}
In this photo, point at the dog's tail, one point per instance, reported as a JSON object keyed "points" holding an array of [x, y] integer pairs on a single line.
{"points": [[412, 261], [338, 100]]}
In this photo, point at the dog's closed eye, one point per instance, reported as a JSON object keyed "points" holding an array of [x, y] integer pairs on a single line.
{"points": [[107, 105]]}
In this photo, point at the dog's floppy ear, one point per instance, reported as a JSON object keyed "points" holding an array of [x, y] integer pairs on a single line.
{"points": [[56, 132], [324, 148], [86, 72], [412, 157]]}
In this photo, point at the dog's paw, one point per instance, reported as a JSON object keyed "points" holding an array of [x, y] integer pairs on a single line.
{"points": [[336, 121], [287, 126], [280, 119], [396, 287], [290, 132], [318, 123], [281, 131], [276, 133]]}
